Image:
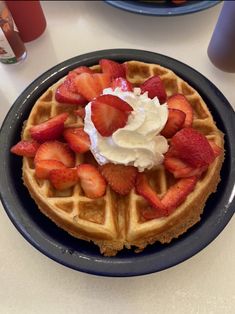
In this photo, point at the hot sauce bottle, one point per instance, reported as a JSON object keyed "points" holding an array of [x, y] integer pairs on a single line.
{"points": [[12, 48]]}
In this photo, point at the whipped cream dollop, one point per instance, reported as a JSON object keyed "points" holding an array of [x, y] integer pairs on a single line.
{"points": [[138, 143]]}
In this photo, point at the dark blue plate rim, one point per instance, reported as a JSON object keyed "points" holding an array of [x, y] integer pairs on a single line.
{"points": [[80, 255], [162, 9]]}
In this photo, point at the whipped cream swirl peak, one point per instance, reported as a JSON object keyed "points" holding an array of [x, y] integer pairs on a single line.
{"points": [[139, 142]]}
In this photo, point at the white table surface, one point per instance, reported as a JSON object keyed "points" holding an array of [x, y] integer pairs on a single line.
{"points": [[32, 283]]}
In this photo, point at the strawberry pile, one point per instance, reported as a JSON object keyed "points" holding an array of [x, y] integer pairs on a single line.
{"points": [[54, 144]]}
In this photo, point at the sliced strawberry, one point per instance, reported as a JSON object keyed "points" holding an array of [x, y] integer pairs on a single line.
{"points": [[177, 193], [92, 182], [155, 88], [106, 117], [180, 102], [180, 169], [174, 122], [115, 102], [112, 68], [178, 1], [216, 149], [70, 78], [192, 147], [102, 79], [43, 168], [81, 112], [91, 86], [144, 189], [149, 213], [121, 178], [122, 83], [50, 129], [55, 150], [25, 148], [81, 69], [63, 179], [64, 94], [78, 139]]}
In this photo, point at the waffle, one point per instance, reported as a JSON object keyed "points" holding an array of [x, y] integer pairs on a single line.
{"points": [[114, 222]]}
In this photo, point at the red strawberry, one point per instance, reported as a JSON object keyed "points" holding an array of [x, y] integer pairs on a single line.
{"points": [[177, 193], [55, 150], [112, 68], [144, 189], [81, 112], [63, 179], [92, 182], [91, 86], [50, 129], [25, 148], [180, 102], [106, 116], [154, 86], [216, 149], [81, 69], [77, 139], [192, 147], [174, 122], [178, 1], [122, 83], [115, 102], [43, 168], [149, 213], [65, 95], [121, 178], [180, 169]]}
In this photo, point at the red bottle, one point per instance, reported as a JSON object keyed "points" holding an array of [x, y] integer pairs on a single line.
{"points": [[29, 18], [12, 48]]}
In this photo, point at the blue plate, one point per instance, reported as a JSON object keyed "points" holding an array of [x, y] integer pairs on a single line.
{"points": [[162, 9], [83, 256]]}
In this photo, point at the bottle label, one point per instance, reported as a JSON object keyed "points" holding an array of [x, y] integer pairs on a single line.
{"points": [[6, 53]]}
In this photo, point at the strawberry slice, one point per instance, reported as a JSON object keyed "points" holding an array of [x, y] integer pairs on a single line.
{"points": [[81, 112], [192, 147], [178, 1], [122, 83], [180, 169], [155, 88], [64, 94], [55, 150], [112, 68], [63, 179], [177, 193], [25, 148], [79, 70], [92, 182], [109, 113], [149, 213], [115, 102], [44, 167], [216, 149], [180, 102], [91, 86], [174, 122], [67, 91], [50, 129], [77, 139], [121, 178], [144, 189]]}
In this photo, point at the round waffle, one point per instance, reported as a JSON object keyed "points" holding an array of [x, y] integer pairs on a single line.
{"points": [[114, 221]]}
